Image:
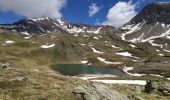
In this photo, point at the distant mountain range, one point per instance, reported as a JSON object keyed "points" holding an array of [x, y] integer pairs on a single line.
{"points": [[152, 22]]}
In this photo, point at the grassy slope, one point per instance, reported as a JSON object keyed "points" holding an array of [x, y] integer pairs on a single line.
{"points": [[68, 49]]}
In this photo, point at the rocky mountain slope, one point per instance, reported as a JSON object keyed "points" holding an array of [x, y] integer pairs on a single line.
{"points": [[152, 22], [39, 26]]}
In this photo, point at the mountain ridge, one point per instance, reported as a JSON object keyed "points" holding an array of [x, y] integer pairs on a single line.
{"points": [[152, 22]]}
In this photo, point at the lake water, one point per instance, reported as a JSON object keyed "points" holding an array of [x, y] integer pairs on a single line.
{"points": [[77, 69]]}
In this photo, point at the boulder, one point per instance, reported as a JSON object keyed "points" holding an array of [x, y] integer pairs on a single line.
{"points": [[96, 91], [135, 97], [137, 90], [158, 87], [4, 65]]}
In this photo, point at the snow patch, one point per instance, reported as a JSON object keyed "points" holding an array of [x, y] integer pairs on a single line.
{"points": [[133, 46], [167, 50], [95, 38], [126, 54], [27, 37], [95, 51], [154, 44], [61, 22], [25, 33], [9, 42], [127, 82], [126, 69], [161, 54], [82, 44], [163, 25], [84, 62], [131, 29], [94, 31], [157, 50], [38, 19], [108, 62], [168, 78], [47, 46], [113, 46]]}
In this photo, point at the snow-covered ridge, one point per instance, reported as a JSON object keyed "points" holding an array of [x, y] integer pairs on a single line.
{"points": [[132, 28], [158, 30], [71, 28], [39, 19]]}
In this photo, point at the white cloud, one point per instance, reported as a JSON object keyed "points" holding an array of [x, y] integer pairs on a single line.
{"points": [[34, 8], [93, 9], [120, 13]]}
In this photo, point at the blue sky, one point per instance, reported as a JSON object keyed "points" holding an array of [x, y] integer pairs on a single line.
{"points": [[75, 11]]}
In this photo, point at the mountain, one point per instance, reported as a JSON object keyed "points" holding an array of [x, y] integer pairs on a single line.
{"points": [[152, 22], [46, 25]]}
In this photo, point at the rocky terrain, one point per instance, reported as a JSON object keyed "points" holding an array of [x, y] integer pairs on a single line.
{"points": [[34, 84], [151, 23]]}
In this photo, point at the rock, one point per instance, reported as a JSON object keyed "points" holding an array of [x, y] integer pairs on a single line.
{"points": [[138, 90], [4, 65], [19, 78], [96, 91], [158, 87], [134, 97]]}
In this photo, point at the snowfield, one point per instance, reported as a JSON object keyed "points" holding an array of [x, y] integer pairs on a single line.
{"points": [[94, 78], [126, 82]]}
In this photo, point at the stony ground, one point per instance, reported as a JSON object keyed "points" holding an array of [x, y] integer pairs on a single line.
{"points": [[33, 84], [28, 84]]}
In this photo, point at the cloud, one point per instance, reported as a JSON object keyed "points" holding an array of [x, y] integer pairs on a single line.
{"points": [[34, 8], [93, 9], [120, 13]]}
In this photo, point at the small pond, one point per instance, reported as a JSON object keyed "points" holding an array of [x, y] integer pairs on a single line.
{"points": [[77, 69]]}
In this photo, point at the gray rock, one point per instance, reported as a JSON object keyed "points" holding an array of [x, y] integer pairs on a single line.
{"points": [[19, 78], [96, 91], [4, 65], [138, 90], [134, 97], [158, 87]]}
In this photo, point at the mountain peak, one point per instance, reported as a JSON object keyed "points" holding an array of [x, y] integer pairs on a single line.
{"points": [[153, 13]]}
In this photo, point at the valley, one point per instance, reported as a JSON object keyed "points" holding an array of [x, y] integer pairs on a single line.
{"points": [[62, 55]]}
